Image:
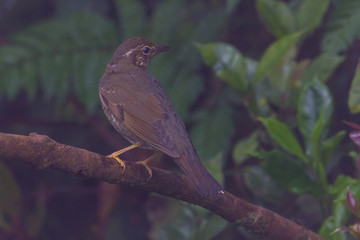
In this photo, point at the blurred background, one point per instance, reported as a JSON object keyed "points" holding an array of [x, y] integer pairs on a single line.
{"points": [[263, 86]]}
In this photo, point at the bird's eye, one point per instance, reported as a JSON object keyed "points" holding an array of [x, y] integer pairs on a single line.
{"points": [[146, 50]]}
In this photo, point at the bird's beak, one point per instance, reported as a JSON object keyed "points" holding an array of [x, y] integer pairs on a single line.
{"points": [[163, 48]]}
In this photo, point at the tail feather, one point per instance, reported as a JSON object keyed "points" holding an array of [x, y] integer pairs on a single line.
{"points": [[202, 180]]}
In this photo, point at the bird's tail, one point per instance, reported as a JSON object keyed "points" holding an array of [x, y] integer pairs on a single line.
{"points": [[202, 180]]}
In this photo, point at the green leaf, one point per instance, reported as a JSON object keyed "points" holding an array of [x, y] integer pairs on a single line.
{"points": [[314, 114], [327, 228], [354, 94], [227, 62], [277, 16], [340, 213], [212, 135], [315, 150], [259, 182], [342, 26], [322, 67], [214, 166], [211, 227], [340, 184], [313, 118], [275, 53], [310, 14], [350, 184], [289, 174], [281, 134], [330, 145], [245, 148], [279, 75]]}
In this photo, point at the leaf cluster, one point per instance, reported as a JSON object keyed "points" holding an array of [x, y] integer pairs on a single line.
{"points": [[291, 99], [62, 56], [282, 102]]}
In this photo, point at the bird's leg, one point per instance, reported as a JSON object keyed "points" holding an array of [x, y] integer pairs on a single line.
{"points": [[146, 161], [115, 155]]}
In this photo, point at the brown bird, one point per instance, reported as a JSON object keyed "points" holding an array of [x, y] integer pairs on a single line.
{"points": [[138, 108]]}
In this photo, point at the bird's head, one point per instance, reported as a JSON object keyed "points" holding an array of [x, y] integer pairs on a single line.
{"points": [[139, 51]]}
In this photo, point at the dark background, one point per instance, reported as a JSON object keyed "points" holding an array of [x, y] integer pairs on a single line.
{"points": [[67, 46]]}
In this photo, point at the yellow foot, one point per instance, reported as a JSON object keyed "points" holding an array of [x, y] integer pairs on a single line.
{"points": [[115, 155], [121, 162], [148, 169], [123, 150], [146, 161]]}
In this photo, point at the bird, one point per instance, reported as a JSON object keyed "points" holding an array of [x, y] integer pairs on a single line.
{"points": [[138, 108]]}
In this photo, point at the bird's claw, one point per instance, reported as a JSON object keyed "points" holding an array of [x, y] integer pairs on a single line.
{"points": [[148, 169], [121, 162]]}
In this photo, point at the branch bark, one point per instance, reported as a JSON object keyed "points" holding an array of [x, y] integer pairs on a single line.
{"points": [[43, 152]]}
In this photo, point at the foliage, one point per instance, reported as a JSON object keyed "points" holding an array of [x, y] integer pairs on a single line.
{"points": [[279, 79], [354, 96], [353, 206], [262, 115], [342, 26], [59, 55], [283, 19], [186, 224]]}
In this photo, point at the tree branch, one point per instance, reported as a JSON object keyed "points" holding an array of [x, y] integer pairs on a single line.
{"points": [[42, 152]]}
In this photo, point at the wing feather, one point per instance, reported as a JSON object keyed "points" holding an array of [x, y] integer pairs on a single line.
{"points": [[143, 114]]}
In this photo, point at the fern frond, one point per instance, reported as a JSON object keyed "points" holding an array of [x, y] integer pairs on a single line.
{"points": [[57, 54], [10, 58]]}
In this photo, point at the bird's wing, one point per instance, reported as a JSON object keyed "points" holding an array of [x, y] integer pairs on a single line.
{"points": [[142, 113]]}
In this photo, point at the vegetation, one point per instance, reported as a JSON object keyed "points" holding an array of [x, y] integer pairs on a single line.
{"points": [[264, 87]]}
